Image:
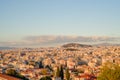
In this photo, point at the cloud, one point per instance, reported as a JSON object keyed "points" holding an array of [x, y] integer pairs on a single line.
{"points": [[50, 40]]}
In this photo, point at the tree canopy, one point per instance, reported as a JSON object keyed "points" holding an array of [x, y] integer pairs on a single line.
{"points": [[61, 72], [67, 74], [46, 78], [14, 73], [110, 71]]}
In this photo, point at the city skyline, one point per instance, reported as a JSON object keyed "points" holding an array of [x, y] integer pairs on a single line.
{"points": [[46, 23]]}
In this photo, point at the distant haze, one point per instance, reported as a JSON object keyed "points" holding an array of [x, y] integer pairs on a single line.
{"points": [[50, 40]]}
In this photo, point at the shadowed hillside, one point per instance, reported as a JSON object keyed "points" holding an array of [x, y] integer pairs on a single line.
{"points": [[75, 45]]}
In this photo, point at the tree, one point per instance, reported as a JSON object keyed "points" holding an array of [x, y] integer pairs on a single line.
{"points": [[61, 73], [41, 64], [46, 78], [44, 71], [14, 73], [49, 67], [109, 71], [11, 72], [67, 74], [57, 72]]}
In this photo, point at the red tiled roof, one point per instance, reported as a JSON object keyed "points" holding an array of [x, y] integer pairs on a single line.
{"points": [[87, 76], [8, 77]]}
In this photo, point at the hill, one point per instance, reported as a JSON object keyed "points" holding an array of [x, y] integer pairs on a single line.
{"points": [[75, 45]]}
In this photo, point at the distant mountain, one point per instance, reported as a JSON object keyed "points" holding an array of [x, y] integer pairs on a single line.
{"points": [[107, 44], [75, 45], [5, 48]]}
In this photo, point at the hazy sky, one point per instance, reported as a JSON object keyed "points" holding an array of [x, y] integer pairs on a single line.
{"points": [[23, 18]]}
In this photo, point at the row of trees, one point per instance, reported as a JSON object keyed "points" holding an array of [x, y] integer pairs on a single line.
{"points": [[109, 71], [60, 73]]}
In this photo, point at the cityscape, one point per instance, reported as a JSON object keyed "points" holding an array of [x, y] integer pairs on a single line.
{"points": [[59, 40], [83, 61]]}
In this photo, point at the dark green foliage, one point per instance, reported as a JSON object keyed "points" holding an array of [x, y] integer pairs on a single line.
{"points": [[57, 72], [41, 64], [67, 74], [11, 72], [14, 73], [61, 73], [109, 71], [49, 68], [46, 78]]}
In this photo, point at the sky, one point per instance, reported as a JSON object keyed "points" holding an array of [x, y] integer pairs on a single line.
{"points": [[47, 22]]}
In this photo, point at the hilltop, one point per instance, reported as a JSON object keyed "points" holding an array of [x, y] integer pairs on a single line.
{"points": [[75, 45]]}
